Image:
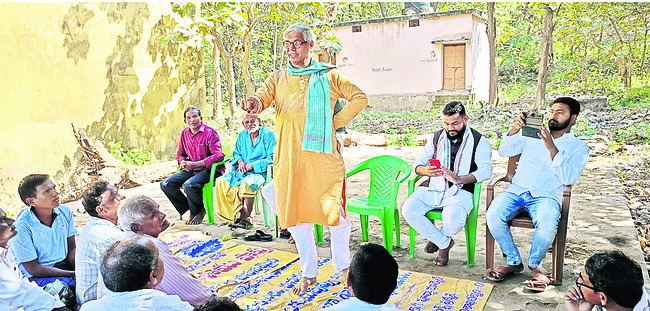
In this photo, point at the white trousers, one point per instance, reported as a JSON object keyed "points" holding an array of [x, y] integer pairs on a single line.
{"points": [[454, 214], [303, 235]]}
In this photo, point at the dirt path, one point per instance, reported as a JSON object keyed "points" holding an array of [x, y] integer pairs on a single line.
{"points": [[599, 220]]}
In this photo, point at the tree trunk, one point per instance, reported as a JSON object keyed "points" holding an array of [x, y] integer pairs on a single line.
{"points": [[217, 104], [492, 42], [230, 78], [382, 8], [547, 39], [247, 49], [434, 6]]}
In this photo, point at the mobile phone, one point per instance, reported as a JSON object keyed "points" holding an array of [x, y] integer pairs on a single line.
{"points": [[532, 121], [434, 162]]}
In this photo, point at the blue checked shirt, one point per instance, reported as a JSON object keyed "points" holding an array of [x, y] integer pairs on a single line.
{"points": [[94, 238]]}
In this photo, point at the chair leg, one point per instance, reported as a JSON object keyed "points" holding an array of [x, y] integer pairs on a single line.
{"points": [[318, 232], [397, 229], [208, 202], [412, 241], [266, 209], [387, 228], [364, 227], [470, 239], [489, 249]]}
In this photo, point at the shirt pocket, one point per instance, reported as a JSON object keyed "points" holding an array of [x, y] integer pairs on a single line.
{"points": [[202, 151]]}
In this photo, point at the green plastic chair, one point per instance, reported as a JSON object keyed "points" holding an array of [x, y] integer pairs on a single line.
{"points": [[470, 223], [208, 194], [386, 174]]}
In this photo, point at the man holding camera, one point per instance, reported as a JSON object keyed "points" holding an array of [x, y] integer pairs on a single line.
{"points": [[454, 159], [550, 160]]}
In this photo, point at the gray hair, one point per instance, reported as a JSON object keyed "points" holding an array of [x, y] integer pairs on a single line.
{"points": [[130, 211], [125, 265], [307, 34]]}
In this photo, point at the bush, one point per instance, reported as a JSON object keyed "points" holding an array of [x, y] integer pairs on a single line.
{"points": [[633, 97], [134, 156]]}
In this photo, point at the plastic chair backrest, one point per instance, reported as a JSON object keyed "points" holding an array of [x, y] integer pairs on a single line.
{"points": [[386, 173]]}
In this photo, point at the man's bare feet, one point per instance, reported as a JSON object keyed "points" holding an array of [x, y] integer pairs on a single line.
{"points": [[431, 248], [301, 288], [196, 220], [443, 255], [345, 276]]}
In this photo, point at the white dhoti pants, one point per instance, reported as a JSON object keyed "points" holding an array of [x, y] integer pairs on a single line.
{"points": [[454, 214], [303, 234]]}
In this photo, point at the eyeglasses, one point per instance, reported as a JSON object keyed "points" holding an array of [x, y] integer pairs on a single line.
{"points": [[579, 284], [295, 44]]}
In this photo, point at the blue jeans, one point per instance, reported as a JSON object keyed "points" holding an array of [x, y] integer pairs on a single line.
{"points": [[545, 213], [193, 186]]}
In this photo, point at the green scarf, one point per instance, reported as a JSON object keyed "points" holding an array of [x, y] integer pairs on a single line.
{"points": [[318, 124]]}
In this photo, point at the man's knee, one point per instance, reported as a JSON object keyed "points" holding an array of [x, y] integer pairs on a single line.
{"points": [[410, 209]]}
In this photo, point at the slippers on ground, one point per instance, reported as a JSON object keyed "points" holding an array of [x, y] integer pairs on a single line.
{"points": [[501, 273], [234, 224], [259, 235], [539, 283], [285, 234], [244, 224]]}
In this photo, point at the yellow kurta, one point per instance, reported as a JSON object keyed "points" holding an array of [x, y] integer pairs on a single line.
{"points": [[308, 185]]}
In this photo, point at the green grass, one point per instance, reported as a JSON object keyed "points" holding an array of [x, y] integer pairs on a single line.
{"points": [[134, 156]]}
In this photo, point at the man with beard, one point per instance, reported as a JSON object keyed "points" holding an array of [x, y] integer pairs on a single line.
{"points": [[198, 149], [465, 158], [546, 166], [236, 190]]}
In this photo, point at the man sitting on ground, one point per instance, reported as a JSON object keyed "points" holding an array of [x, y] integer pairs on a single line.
{"points": [[131, 269], [548, 163], [100, 201], [141, 215], [45, 243], [253, 153], [464, 157], [18, 292], [199, 148], [371, 280], [610, 281]]}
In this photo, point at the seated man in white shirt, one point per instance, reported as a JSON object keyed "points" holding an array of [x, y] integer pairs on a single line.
{"points": [[100, 202], [140, 215], [16, 291], [131, 269], [371, 280], [551, 160], [609, 281]]}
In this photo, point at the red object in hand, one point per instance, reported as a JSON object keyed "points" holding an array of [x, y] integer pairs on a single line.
{"points": [[434, 162]]}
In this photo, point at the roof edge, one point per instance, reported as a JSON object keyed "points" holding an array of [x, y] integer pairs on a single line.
{"points": [[408, 17]]}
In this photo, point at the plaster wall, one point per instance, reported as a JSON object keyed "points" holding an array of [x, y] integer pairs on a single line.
{"points": [[99, 65]]}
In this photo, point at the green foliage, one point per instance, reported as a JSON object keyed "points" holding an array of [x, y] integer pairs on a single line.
{"points": [[134, 156], [637, 133], [409, 139], [633, 97]]}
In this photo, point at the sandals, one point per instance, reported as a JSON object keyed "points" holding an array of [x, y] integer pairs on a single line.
{"points": [[241, 223], [259, 235], [285, 234], [539, 283], [501, 273]]}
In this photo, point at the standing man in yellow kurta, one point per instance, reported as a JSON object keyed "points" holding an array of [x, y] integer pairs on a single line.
{"points": [[309, 173]]}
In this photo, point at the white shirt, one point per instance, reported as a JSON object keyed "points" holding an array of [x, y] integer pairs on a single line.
{"points": [[536, 171], [355, 303], [17, 291], [139, 300]]}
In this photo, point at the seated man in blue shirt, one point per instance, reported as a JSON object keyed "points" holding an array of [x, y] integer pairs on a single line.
{"points": [[45, 243], [236, 190], [546, 166], [16, 291], [371, 280]]}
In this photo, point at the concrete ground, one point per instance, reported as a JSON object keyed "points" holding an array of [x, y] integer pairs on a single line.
{"points": [[599, 220]]}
